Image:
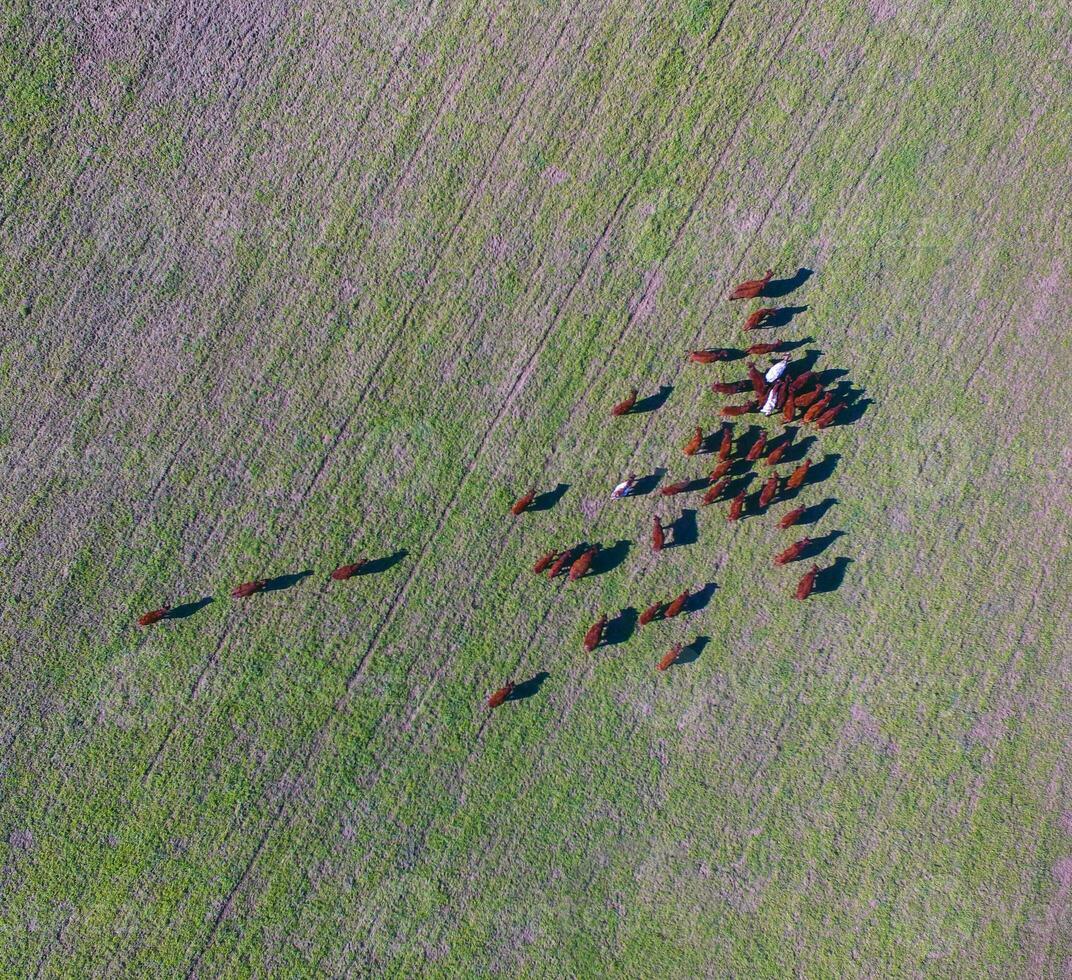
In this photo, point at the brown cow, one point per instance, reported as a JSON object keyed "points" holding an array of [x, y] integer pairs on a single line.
{"points": [[793, 552], [721, 470], [732, 411], [560, 562], [751, 288], [725, 447], [788, 520], [736, 507], [758, 349], [501, 695], [770, 488], [580, 567], [796, 479], [776, 396], [543, 561], [692, 447], [758, 381], [523, 502], [758, 317], [248, 588], [809, 398], [594, 635], [650, 613], [790, 408], [730, 387], [343, 572], [708, 356], [677, 605], [827, 418], [675, 652], [818, 408], [625, 405], [807, 583], [714, 492], [658, 539], [757, 448], [801, 381], [776, 454], [154, 616], [672, 488]]}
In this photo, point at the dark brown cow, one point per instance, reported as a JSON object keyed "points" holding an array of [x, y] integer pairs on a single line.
{"points": [[790, 409], [758, 381], [708, 356], [675, 652], [777, 392], [560, 563], [343, 572], [756, 350], [782, 448], [757, 448], [809, 398], [673, 488], [751, 288], [736, 507], [807, 583], [543, 561], [248, 588], [677, 605], [770, 488], [625, 405], [154, 616], [801, 381], [522, 503], [788, 520], [594, 635], [721, 470], [793, 552], [501, 695], [732, 411], [798, 476], [818, 408], [725, 447], [650, 613], [692, 447], [827, 418], [758, 317], [658, 538], [580, 567], [714, 492], [730, 387]]}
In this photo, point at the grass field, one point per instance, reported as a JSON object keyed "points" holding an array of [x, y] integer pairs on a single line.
{"points": [[283, 284]]}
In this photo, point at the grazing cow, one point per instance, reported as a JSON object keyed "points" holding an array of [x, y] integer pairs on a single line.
{"points": [[721, 470], [248, 588], [788, 520], [560, 562], [807, 583], [672, 488], [677, 605], [523, 502], [776, 454], [725, 447], [757, 350], [770, 488], [658, 538], [154, 616], [594, 635], [801, 381], [543, 561], [757, 448], [650, 613], [736, 507], [708, 356], [692, 447], [714, 492], [828, 416], [501, 695], [625, 405], [793, 552], [818, 408], [732, 411], [730, 387], [751, 288], [580, 567], [790, 408], [809, 398], [343, 572], [796, 479], [675, 652], [758, 317], [759, 383]]}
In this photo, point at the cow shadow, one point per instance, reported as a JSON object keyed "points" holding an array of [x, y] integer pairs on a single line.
{"points": [[383, 563], [281, 582], [683, 530], [700, 483], [806, 362], [818, 545], [652, 402], [822, 470], [782, 318], [830, 578], [799, 449], [698, 600], [529, 688], [646, 484], [607, 559], [621, 628], [788, 346], [545, 501], [783, 287], [691, 653], [815, 513], [188, 609], [828, 376]]}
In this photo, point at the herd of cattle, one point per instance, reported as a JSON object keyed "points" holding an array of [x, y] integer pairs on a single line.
{"points": [[772, 391]]}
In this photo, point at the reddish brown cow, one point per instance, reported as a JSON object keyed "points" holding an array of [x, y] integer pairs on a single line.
{"points": [[829, 415], [543, 561], [782, 448], [751, 288], [757, 448], [580, 567], [523, 502], [560, 563], [714, 492], [758, 317], [594, 635], [736, 507], [730, 387], [793, 552], [788, 520], [677, 605], [807, 583], [770, 488], [809, 398], [153, 616], [501, 695], [801, 381], [625, 405], [721, 470], [759, 382], [732, 411], [692, 447], [725, 447], [675, 652], [798, 476], [248, 588], [708, 356], [650, 613], [343, 572], [658, 538], [790, 408], [817, 409], [672, 488], [758, 349]]}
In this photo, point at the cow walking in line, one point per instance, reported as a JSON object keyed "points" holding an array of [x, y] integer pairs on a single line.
{"points": [[343, 572], [154, 616], [594, 636], [751, 288], [807, 583], [522, 503], [625, 405], [501, 695], [671, 656]]}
